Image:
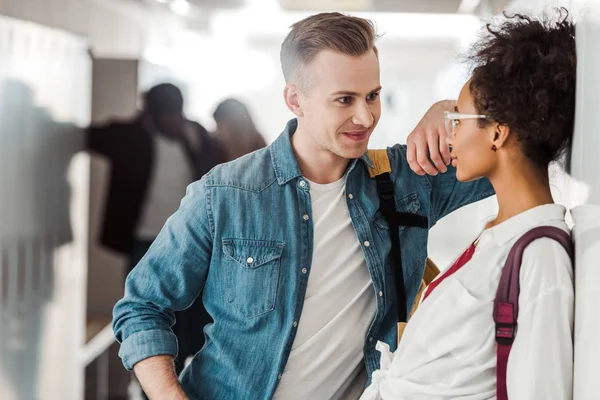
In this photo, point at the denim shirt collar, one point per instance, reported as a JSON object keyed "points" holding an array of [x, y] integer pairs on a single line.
{"points": [[283, 158]]}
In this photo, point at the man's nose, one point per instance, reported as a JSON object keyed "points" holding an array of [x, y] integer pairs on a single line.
{"points": [[363, 116]]}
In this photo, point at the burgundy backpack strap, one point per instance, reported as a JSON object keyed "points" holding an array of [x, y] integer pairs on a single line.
{"points": [[506, 304]]}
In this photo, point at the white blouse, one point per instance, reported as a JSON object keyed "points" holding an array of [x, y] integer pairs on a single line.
{"points": [[448, 350]]}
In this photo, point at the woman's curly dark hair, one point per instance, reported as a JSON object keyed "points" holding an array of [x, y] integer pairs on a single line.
{"points": [[524, 78]]}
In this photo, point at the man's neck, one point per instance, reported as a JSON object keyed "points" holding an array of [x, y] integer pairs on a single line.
{"points": [[317, 165], [152, 129]]}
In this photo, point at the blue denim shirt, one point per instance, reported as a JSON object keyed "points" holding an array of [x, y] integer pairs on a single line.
{"points": [[242, 237]]}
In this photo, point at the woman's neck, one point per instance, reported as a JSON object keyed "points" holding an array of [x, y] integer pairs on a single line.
{"points": [[519, 189]]}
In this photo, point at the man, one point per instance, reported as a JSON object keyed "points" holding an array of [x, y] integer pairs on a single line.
{"points": [[153, 158], [288, 243]]}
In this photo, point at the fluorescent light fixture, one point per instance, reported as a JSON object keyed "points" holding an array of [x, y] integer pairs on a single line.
{"points": [[181, 7], [261, 6], [392, 25], [162, 1], [468, 6]]}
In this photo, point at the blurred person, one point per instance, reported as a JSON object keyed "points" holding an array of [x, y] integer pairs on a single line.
{"points": [[35, 157], [236, 130], [288, 242], [153, 158], [513, 118]]}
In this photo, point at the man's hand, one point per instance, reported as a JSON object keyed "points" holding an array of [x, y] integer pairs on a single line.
{"points": [[158, 379], [427, 150]]}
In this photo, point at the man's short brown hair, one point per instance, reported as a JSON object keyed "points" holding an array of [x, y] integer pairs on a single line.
{"points": [[340, 33]]}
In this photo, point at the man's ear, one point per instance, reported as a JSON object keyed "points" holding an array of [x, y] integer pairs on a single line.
{"points": [[291, 95]]}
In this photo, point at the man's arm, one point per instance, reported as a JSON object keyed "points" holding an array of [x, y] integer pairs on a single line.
{"points": [[428, 154], [426, 149], [102, 139], [448, 194], [167, 279], [158, 378]]}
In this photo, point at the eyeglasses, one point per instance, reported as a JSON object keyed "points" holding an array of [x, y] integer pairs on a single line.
{"points": [[451, 119]]}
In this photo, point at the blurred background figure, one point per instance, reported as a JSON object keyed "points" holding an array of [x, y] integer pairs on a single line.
{"points": [[153, 158], [236, 130]]}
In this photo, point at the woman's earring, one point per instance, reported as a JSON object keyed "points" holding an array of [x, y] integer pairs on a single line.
{"points": [[494, 148]]}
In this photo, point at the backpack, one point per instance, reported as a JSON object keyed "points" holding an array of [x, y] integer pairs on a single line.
{"points": [[387, 206], [506, 303]]}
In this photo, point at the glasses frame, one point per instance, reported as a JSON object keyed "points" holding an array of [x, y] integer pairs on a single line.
{"points": [[452, 118]]}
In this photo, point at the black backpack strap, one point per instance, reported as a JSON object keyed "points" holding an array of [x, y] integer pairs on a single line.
{"points": [[387, 206]]}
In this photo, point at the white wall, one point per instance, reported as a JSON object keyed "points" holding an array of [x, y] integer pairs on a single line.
{"points": [[44, 101], [114, 28]]}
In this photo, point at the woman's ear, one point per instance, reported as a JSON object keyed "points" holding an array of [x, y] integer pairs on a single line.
{"points": [[499, 135]]}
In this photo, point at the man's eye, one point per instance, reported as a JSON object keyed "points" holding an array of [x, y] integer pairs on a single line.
{"points": [[345, 100], [373, 96]]}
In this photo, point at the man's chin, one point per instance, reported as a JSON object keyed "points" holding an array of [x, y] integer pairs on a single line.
{"points": [[351, 155], [354, 151]]}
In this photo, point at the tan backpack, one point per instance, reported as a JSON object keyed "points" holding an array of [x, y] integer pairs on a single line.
{"points": [[381, 172]]}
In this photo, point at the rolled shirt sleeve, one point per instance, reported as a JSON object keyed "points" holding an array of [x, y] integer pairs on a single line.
{"points": [[168, 278]]}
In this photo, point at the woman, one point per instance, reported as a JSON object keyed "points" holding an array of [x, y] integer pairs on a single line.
{"points": [[236, 130], [513, 118]]}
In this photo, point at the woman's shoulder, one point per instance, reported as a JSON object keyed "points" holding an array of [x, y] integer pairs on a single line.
{"points": [[546, 266]]}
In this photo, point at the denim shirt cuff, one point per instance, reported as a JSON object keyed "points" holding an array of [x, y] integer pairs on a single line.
{"points": [[142, 345]]}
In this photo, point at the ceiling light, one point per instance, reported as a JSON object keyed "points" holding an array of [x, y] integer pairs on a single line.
{"points": [[181, 7], [468, 6]]}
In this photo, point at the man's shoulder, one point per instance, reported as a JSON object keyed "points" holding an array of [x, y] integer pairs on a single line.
{"points": [[117, 123], [397, 154], [253, 172], [401, 169]]}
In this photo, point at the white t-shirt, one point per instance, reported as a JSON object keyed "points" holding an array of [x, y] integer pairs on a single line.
{"points": [[171, 175], [326, 361], [448, 350]]}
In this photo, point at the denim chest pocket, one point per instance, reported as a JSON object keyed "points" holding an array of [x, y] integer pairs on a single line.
{"points": [[407, 204], [252, 274]]}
